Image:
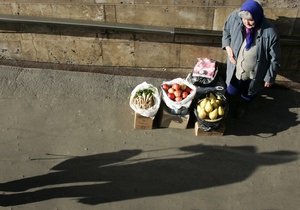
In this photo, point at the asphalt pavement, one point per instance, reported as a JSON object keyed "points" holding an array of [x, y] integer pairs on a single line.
{"points": [[67, 142]]}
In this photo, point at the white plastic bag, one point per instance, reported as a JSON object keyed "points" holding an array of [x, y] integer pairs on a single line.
{"points": [[185, 102], [151, 112]]}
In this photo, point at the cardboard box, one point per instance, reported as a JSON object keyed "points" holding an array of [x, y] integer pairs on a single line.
{"points": [[169, 120], [141, 122], [215, 132]]}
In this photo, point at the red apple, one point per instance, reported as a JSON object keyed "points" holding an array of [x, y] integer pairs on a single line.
{"points": [[184, 94], [165, 87], [177, 93], [176, 86], [171, 90], [178, 99], [171, 96], [188, 90]]}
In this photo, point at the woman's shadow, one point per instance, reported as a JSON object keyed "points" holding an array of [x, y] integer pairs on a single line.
{"points": [[111, 177], [270, 113]]}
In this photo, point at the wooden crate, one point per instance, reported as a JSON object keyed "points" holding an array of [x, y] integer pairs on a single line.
{"points": [[215, 132]]}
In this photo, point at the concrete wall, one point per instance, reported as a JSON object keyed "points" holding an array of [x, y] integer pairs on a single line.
{"points": [[95, 47]]}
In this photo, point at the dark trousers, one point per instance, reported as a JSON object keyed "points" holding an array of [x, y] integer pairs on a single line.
{"points": [[240, 88]]}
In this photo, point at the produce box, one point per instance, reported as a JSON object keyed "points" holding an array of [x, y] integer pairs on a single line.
{"points": [[141, 122], [219, 131], [168, 120]]}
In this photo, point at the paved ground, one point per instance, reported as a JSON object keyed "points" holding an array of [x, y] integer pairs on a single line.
{"points": [[67, 142]]}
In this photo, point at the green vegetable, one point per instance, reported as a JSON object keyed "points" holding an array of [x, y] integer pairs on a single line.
{"points": [[145, 91]]}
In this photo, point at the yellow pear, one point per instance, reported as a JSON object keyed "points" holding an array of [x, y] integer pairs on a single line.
{"points": [[203, 103], [213, 115], [214, 103], [201, 113], [198, 108], [221, 111], [219, 100], [211, 95], [208, 107]]}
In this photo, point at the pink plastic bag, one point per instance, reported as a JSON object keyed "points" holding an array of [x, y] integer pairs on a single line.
{"points": [[205, 67]]}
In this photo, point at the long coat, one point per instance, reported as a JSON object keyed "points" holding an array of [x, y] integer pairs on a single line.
{"points": [[268, 50]]}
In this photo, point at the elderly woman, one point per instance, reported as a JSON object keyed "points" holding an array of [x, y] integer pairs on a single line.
{"points": [[252, 45]]}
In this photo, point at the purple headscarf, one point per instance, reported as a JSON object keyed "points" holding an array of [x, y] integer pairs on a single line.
{"points": [[257, 13]]}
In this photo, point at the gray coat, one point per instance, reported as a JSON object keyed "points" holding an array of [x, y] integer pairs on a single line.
{"points": [[268, 50]]}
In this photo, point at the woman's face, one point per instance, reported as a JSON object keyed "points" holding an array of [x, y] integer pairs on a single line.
{"points": [[249, 23]]}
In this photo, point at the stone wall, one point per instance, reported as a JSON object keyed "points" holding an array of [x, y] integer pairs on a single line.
{"points": [[95, 47]]}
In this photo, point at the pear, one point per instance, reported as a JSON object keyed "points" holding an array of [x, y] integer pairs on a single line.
{"points": [[198, 108], [221, 111], [208, 107], [219, 100], [201, 113], [214, 103], [213, 115], [211, 95], [203, 103]]}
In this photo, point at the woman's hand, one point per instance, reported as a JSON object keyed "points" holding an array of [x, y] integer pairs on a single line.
{"points": [[268, 84], [230, 54]]}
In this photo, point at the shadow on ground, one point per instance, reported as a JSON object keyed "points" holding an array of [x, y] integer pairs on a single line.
{"points": [[272, 112], [112, 177]]}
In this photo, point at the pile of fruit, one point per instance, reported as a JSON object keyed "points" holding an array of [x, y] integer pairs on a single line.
{"points": [[211, 107], [143, 99], [177, 92]]}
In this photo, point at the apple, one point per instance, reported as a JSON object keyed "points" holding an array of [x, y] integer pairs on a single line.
{"points": [[165, 87], [188, 90], [178, 99], [184, 94], [177, 93], [176, 86], [171, 90], [183, 86], [171, 96]]}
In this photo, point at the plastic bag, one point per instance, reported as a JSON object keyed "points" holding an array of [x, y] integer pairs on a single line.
{"points": [[151, 112], [204, 72], [178, 107], [207, 125], [205, 68]]}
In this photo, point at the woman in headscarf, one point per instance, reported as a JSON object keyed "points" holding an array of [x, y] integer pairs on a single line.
{"points": [[252, 45]]}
